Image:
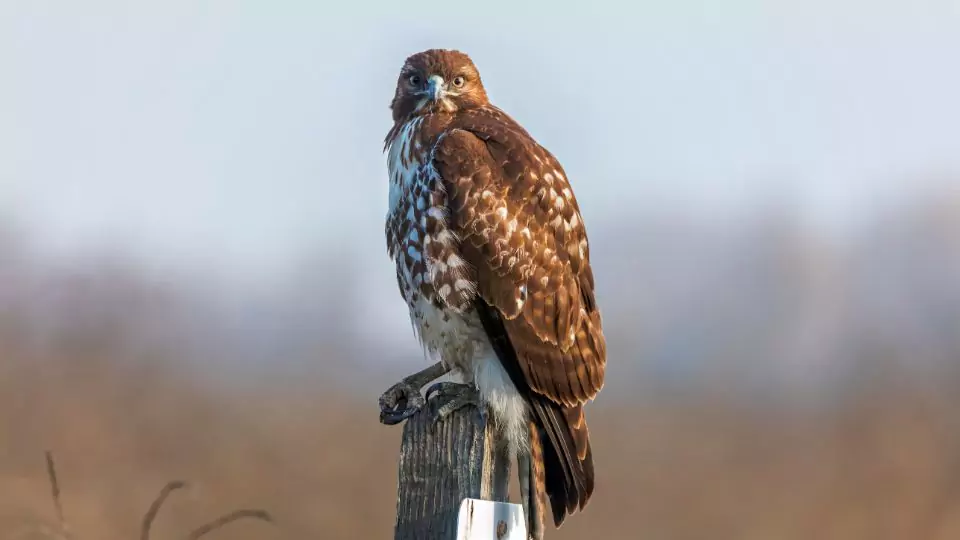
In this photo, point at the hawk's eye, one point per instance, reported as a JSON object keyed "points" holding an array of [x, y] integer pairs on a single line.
{"points": [[414, 80], [458, 81]]}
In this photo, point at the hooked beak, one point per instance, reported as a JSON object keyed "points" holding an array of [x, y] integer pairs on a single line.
{"points": [[435, 88]]}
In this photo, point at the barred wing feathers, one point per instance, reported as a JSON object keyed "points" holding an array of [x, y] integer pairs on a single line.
{"points": [[520, 230]]}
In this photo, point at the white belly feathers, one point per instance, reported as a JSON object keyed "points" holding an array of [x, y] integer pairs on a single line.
{"points": [[459, 341]]}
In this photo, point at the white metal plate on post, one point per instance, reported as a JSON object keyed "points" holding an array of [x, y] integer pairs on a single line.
{"points": [[489, 520]]}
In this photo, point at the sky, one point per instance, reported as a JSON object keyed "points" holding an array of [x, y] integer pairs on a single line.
{"points": [[246, 134]]}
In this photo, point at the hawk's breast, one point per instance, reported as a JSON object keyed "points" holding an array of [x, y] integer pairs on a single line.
{"points": [[432, 275]]}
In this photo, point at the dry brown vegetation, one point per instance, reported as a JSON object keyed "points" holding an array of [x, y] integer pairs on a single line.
{"points": [[810, 394], [882, 464], [61, 530]]}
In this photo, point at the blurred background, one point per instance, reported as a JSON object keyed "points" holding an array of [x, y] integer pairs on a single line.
{"points": [[194, 281]]}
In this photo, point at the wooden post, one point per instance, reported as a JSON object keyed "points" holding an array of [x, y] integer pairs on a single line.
{"points": [[442, 464]]}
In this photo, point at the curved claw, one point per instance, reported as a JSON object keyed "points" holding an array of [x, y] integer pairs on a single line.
{"points": [[450, 397], [399, 402], [392, 418], [442, 388]]}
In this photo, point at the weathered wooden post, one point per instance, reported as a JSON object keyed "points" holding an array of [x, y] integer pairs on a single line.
{"points": [[446, 465]]}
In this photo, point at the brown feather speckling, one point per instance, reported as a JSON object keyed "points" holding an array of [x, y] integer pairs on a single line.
{"points": [[483, 221]]}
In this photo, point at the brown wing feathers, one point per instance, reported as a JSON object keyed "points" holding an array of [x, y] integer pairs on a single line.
{"points": [[511, 206], [520, 229]]}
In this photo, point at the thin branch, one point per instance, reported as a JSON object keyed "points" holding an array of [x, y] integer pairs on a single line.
{"points": [[55, 491], [155, 507], [229, 518]]}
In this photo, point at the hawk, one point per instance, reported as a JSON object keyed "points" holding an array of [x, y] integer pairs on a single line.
{"points": [[493, 261]]}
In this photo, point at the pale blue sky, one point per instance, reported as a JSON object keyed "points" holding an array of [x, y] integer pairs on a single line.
{"points": [[243, 133]]}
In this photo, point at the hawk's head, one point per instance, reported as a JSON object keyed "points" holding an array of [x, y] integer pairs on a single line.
{"points": [[437, 80]]}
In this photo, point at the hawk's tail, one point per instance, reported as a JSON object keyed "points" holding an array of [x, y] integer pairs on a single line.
{"points": [[561, 432], [567, 459], [547, 478], [533, 484]]}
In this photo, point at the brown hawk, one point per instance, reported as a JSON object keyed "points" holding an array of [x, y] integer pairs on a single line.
{"points": [[493, 261]]}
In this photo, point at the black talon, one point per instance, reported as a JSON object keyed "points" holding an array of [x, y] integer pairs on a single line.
{"points": [[392, 418], [439, 388], [450, 397], [400, 402]]}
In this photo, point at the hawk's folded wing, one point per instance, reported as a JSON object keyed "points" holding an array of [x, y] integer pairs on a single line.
{"points": [[520, 229]]}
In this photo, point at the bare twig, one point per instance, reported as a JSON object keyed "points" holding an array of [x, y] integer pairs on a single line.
{"points": [[55, 491], [228, 518], [155, 507]]}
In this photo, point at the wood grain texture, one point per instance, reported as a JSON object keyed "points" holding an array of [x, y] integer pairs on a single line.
{"points": [[440, 465]]}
